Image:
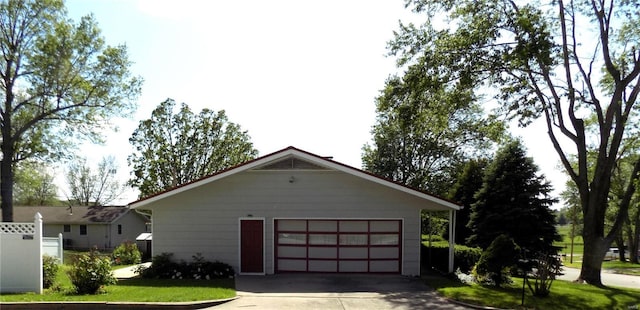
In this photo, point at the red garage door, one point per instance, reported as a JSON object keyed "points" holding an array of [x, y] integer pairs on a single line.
{"points": [[357, 246]]}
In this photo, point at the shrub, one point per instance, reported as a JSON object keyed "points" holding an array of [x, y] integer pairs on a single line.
{"points": [[50, 268], [162, 267], [90, 271], [495, 262], [464, 257], [544, 271], [126, 253]]}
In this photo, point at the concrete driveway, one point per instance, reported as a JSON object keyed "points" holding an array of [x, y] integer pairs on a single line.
{"points": [[333, 291]]}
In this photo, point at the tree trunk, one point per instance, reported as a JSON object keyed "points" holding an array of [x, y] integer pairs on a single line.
{"points": [[594, 251], [6, 179], [621, 248]]}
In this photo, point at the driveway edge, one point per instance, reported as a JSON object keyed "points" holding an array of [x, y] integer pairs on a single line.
{"points": [[97, 305]]}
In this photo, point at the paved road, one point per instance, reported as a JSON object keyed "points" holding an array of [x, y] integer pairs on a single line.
{"points": [[308, 292], [609, 279]]}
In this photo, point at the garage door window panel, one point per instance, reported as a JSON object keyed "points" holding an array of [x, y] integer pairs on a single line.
{"points": [[292, 225], [323, 239], [384, 226], [385, 239], [354, 226], [323, 266], [353, 239], [290, 238], [354, 253], [384, 253], [323, 226], [291, 252], [323, 253]]}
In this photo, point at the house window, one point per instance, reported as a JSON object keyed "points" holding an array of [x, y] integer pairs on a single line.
{"points": [[66, 228], [83, 229], [119, 229]]}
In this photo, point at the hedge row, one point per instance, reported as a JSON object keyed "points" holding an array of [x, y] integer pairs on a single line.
{"points": [[464, 257]]}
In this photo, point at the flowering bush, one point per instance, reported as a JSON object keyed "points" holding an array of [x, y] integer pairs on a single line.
{"points": [[89, 272], [162, 267], [50, 268], [126, 253]]}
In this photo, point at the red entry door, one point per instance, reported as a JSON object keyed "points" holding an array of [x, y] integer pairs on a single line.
{"points": [[251, 246]]}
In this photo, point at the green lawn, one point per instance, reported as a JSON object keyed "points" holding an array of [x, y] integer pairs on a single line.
{"points": [[564, 295], [135, 290]]}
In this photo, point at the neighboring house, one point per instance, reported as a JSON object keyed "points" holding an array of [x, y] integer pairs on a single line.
{"points": [[293, 211], [85, 227]]}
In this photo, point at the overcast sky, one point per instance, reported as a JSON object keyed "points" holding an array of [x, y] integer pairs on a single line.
{"points": [[291, 73]]}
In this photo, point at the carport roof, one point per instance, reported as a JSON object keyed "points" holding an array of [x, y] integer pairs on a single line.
{"points": [[292, 152]]}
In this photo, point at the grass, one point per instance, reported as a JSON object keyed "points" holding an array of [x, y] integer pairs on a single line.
{"points": [[134, 290], [564, 295]]}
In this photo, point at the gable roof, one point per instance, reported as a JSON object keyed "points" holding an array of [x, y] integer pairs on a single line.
{"points": [[65, 215], [310, 160]]}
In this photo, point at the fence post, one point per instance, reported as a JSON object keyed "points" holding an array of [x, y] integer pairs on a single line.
{"points": [[38, 236], [60, 249]]}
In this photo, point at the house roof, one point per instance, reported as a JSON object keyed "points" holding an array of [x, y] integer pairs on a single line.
{"points": [[292, 152], [70, 215]]}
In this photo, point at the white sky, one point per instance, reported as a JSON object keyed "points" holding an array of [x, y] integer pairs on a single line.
{"points": [[299, 73]]}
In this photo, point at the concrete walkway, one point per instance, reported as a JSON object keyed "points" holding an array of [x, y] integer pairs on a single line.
{"points": [[318, 291], [608, 278], [128, 272]]}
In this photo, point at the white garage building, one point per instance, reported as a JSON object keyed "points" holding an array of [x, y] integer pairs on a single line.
{"points": [[293, 211]]}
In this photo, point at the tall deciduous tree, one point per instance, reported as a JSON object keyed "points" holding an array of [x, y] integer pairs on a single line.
{"points": [[58, 79], [514, 200], [34, 185], [562, 61], [426, 131], [176, 147], [94, 187]]}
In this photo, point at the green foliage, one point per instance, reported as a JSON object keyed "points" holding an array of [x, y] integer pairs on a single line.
{"points": [[565, 296], [464, 257], [50, 267], [131, 291], [60, 81], [126, 253], [575, 65], [494, 265], [463, 191], [425, 132], [34, 185], [514, 201], [162, 267], [176, 148], [90, 272]]}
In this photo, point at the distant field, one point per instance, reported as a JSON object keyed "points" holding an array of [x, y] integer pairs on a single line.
{"points": [[565, 244]]}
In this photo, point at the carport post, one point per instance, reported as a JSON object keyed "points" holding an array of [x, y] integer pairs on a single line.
{"points": [[452, 237]]}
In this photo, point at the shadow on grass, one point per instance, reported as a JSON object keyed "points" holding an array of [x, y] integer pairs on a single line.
{"points": [[615, 295], [564, 295]]}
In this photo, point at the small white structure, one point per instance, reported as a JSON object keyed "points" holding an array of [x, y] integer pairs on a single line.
{"points": [[21, 256], [293, 211]]}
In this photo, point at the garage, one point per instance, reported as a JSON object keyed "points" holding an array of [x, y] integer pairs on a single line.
{"points": [[338, 245]]}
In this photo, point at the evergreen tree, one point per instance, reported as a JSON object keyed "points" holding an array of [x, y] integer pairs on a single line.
{"points": [[515, 201], [463, 192]]}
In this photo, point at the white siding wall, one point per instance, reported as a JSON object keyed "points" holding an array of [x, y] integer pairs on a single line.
{"points": [[205, 219], [132, 225]]}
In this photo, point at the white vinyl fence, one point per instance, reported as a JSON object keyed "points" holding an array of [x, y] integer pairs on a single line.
{"points": [[21, 256], [52, 246]]}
